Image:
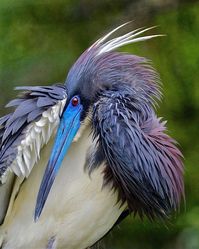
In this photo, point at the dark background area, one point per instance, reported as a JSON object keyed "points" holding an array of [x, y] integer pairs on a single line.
{"points": [[40, 40]]}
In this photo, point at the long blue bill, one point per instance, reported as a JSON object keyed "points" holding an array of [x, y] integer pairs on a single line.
{"points": [[69, 125]]}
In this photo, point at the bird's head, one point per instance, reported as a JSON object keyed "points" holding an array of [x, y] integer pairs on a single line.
{"points": [[118, 91]]}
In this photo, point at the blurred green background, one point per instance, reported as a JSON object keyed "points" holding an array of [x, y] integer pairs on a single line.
{"points": [[40, 40]]}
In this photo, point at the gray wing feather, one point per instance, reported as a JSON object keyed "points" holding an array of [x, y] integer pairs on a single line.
{"points": [[28, 107]]}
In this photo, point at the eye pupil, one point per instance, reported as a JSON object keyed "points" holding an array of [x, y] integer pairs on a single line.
{"points": [[75, 101]]}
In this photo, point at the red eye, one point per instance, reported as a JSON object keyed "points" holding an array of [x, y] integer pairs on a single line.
{"points": [[75, 101]]}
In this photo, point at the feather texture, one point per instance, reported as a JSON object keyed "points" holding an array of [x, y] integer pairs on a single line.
{"points": [[25, 131], [143, 162], [123, 40]]}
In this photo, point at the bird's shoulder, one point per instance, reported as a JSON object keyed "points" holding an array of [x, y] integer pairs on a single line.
{"points": [[25, 130]]}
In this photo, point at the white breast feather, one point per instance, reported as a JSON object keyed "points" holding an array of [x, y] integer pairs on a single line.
{"points": [[37, 134]]}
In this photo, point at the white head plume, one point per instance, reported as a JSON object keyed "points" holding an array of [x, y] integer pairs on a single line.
{"points": [[131, 37]]}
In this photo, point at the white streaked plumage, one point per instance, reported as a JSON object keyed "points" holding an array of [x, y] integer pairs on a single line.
{"points": [[37, 134]]}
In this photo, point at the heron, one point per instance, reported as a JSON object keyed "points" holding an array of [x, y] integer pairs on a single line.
{"points": [[78, 157]]}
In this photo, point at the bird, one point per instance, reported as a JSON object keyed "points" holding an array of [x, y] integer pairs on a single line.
{"points": [[76, 158]]}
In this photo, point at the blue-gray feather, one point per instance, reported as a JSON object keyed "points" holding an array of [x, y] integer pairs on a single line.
{"points": [[147, 174], [28, 108], [143, 163]]}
